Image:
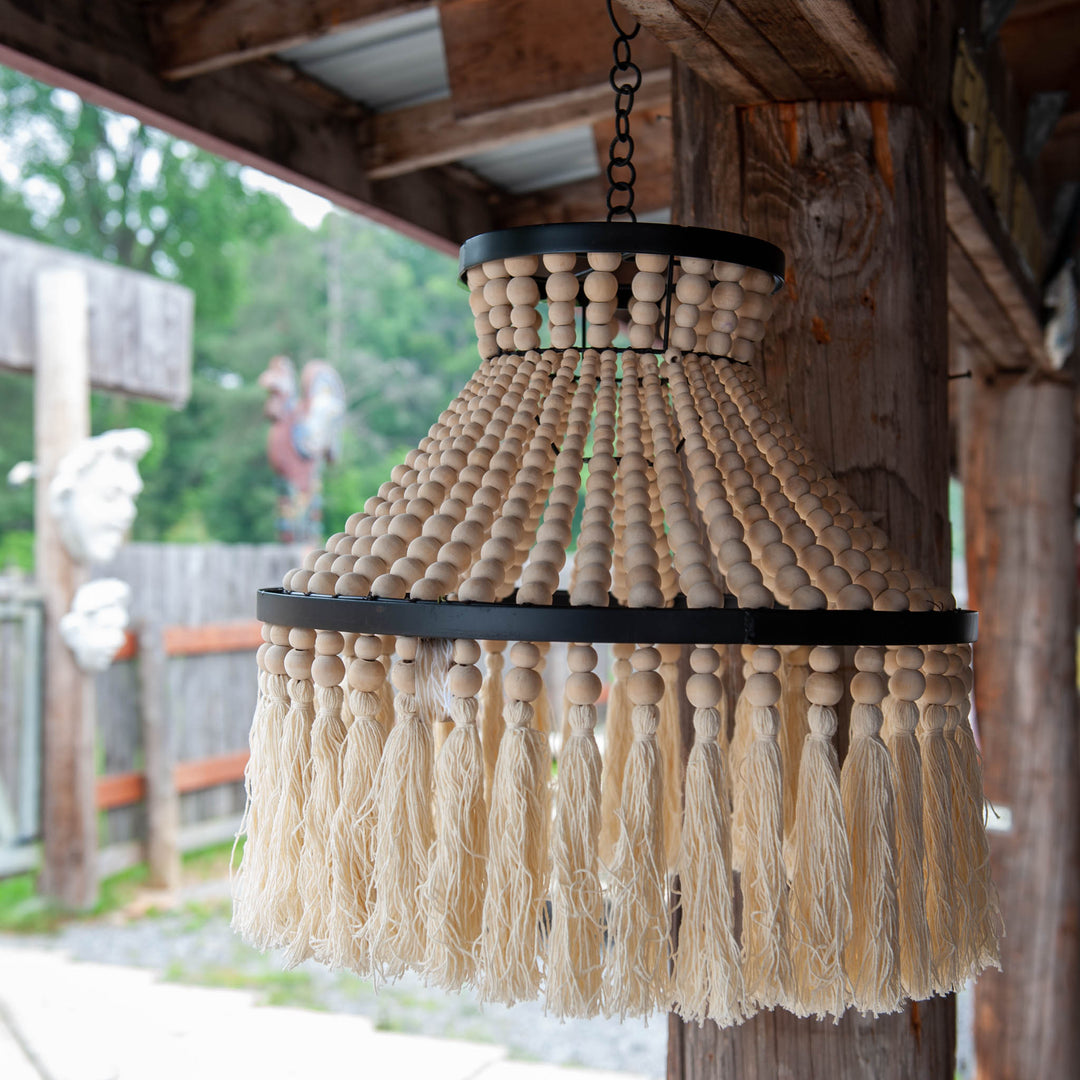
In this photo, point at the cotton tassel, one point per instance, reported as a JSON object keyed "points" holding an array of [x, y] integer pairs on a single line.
{"points": [[978, 936], [396, 929], [872, 956], [637, 980], [352, 834], [708, 977], [543, 721], [432, 662], [766, 962], [262, 779], [793, 732], [618, 735], [669, 737], [906, 685], [491, 711], [940, 870], [985, 909], [741, 739], [518, 856], [455, 886], [285, 907], [576, 942], [821, 873], [386, 688]]}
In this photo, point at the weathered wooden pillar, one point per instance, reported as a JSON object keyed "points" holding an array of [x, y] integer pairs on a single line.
{"points": [[61, 419], [1021, 555], [857, 355]]}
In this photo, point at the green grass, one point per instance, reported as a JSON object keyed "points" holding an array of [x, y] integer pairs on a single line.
{"points": [[293, 988]]}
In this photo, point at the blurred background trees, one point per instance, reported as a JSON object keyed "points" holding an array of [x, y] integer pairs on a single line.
{"points": [[386, 311]]}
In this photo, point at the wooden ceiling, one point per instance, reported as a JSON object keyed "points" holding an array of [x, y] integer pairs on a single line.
{"points": [[211, 71]]}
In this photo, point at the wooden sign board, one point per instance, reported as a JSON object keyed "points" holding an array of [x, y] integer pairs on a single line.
{"points": [[140, 326]]}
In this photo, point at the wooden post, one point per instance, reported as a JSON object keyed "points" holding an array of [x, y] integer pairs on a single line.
{"points": [[162, 799], [61, 419], [853, 193], [1021, 554]]}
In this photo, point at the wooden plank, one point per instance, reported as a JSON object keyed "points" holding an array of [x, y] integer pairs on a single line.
{"points": [[193, 37], [853, 194], [431, 134], [162, 799], [210, 772], [1039, 41], [139, 326], [1021, 562], [244, 635], [119, 789], [503, 53], [260, 114]]}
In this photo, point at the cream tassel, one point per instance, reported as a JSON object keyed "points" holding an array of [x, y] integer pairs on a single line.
{"points": [[285, 908], [618, 735], [708, 978], [741, 739], [906, 685], [669, 738], [432, 662], [637, 980], [544, 718], [491, 711], [576, 943], [872, 956], [396, 929], [386, 688], [821, 878], [327, 742], [455, 887], [793, 731], [941, 891], [353, 830], [518, 859], [262, 779], [766, 963]]}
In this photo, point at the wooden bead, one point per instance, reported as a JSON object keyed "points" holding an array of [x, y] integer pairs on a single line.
{"points": [[655, 264], [466, 651], [301, 637], [558, 262], [605, 260], [703, 690], [908, 656], [328, 671], [581, 658], [298, 663], [645, 687], [522, 683], [704, 660], [322, 583], [824, 688], [762, 689], [867, 688], [704, 594], [645, 658], [403, 676], [906, 684], [329, 643], [754, 596], [765, 659], [465, 680], [274, 659], [601, 286], [649, 287], [644, 595], [824, 658], [583, 688], [524, 654]]}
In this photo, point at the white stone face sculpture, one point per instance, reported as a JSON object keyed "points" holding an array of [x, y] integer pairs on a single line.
{"points": [[93, 493], [94, 627]]}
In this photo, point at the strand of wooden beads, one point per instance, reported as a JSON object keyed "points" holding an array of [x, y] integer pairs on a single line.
{"points": [[750, 328], [562, 292], [637, 980], [906, 686], [541, 574], [499, 314], [692, 290], [576, 944], [592, 563], [514, 917], [652, 304], [523, 295], [618, 579], [872, 956], [695, 575], [284, 901], [727, 297], [669, 581], [821, 875], [264, 778], [479, 305], [708, 977], [352, 831], [601, 290], [397, 925]]}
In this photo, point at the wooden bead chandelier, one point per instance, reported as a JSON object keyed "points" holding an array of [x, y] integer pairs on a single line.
{"points": [[407, 811]]}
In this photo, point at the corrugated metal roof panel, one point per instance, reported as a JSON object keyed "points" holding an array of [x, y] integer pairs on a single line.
{"points": [[387, 64], [539, 162]]}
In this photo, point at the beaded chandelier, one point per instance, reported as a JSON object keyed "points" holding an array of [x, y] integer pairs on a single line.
{"points": [[614, 473]]}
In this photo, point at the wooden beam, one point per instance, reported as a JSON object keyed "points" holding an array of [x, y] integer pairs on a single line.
{"points": [[261, 114], [210, 772], [242, 635], [1039, 40], [192, 37], [502, 54], [856, 355], [431, 134], [119, 789]]}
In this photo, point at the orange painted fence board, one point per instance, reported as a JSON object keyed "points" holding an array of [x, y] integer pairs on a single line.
{"points": [[240, 636], [123, 789]]}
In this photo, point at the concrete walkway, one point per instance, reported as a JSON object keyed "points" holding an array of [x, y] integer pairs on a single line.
{"points": [[65, 1020]]}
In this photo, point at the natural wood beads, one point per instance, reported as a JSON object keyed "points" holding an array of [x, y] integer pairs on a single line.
{"points": [[824, 686], [646, 685], [583, 685], [522, 682], [703, 688]]}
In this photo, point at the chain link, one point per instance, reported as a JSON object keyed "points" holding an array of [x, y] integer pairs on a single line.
{"points": [[625, 80]]}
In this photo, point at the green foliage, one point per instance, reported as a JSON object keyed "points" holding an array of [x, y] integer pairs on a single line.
{"points": [[387, 312]]}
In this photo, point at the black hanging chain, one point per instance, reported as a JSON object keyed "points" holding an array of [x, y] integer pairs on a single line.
{"points": [[625, 79]]}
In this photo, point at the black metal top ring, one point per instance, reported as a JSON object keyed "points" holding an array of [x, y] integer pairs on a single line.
{"points": [[507, 621], [626, 237]]}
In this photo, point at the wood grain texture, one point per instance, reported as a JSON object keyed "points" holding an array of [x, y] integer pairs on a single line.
{"points": [[1021, 559], [192, 37], [856, 355]]}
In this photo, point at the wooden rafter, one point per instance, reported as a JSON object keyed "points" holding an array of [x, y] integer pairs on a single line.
{"points": [[192, 37]]}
